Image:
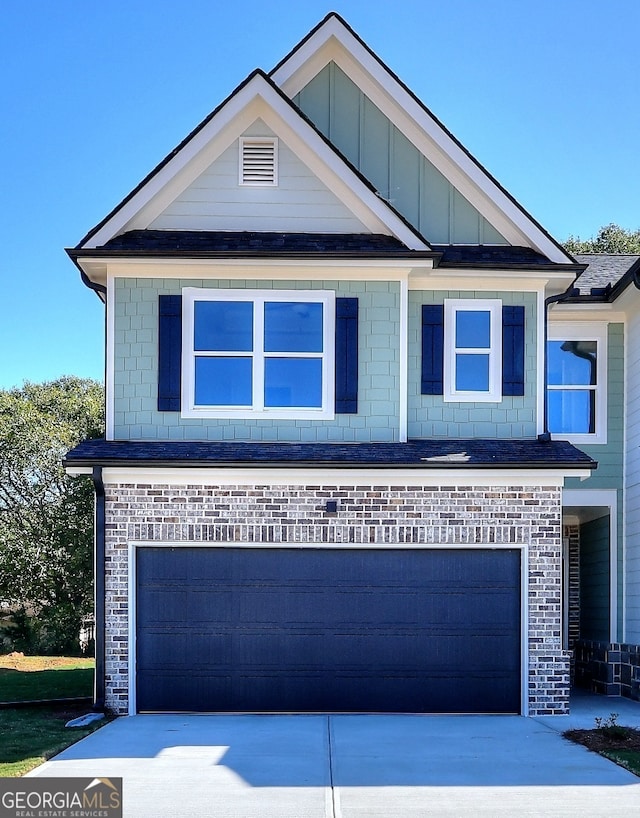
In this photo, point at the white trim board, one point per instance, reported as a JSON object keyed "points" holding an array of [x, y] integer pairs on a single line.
{"points": [[300, 476]]}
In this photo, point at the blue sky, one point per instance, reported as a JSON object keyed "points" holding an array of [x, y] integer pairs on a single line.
{"points": [[545, 94]]}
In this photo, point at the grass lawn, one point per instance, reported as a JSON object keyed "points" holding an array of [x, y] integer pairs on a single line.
{"points": [[32, 678], [30, 735]]}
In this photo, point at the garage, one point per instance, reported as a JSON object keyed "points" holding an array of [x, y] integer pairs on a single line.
{"points": [[313, 629]]}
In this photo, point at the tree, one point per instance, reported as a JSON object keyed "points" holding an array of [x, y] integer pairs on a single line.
{"points": [[46, 517], [610, 239]]}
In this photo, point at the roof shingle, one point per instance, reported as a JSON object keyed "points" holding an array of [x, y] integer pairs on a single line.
{"points": [[423, 454]]}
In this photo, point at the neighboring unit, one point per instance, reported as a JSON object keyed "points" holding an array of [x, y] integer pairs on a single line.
{"points": [[327, 482]]}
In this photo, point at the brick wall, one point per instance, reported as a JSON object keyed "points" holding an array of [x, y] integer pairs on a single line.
{"points": [[374, 514], [609, 668]]}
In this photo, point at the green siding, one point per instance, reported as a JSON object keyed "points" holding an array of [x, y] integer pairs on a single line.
{"points": [[431, 416], [400, 173], [594, 579], [610, 455], [136, 368]]}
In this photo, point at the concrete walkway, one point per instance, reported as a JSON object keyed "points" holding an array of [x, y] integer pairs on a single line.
{"points": [[357, 766]]}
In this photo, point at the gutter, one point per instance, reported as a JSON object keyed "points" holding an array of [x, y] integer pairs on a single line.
{"points": [[99, 579], [568, 294], [427, 463]]}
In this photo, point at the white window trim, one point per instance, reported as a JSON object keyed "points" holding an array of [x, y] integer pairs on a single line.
{"points": [[587, 331], [257, 140], [326, 297], [452, 306]]}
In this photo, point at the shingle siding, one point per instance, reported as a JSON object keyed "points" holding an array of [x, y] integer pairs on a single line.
{"points": [[432, 416], [136, 367]]}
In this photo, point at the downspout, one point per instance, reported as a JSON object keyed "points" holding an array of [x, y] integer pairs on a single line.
{"points": [[99, 580], [545, 437]]}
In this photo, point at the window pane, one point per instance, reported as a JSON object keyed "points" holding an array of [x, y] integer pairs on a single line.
{"points": [[223, 382], [223, 326], [572, 362], [572, 411], [293, 382], [473, 329], [472, 373], [292, 326]]}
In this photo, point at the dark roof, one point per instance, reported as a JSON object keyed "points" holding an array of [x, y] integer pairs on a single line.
{"points": [[208, 243], [423, 454], [247, 243], [496, 256], [604, 269]]}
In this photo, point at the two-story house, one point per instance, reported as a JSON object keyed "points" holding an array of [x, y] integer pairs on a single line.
{"points": [[327, 481]]}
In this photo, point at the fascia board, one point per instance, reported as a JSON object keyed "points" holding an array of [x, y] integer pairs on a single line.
{"points": [[257, 99], [335, 42], [305, 476], [487, 279], [269, 269], [563, 313]]}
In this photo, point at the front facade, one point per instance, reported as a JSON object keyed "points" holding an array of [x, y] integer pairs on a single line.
{"points": [[327, 482]]}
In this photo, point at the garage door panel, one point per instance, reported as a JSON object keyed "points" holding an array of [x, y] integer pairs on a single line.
{"points": [[387, 630]]}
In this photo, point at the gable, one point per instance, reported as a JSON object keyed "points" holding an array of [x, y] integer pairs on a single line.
{"points": [[400, 173], [300, 202], [333, 41], [256, 98]]}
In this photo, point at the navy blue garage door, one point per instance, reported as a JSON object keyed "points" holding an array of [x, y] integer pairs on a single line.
{"points": [[311, 629]]}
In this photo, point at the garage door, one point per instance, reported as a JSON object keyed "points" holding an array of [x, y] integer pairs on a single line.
{"points": [[312, 629]]}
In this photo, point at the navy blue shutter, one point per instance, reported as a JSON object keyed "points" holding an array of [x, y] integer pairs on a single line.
{"points": [[513, 351], [169, 352], [346, 356], [431, 378]]}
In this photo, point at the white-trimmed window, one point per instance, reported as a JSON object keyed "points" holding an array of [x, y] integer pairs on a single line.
{"points": [[472, 350], [576, 381], [258, 353], [258, 161]]}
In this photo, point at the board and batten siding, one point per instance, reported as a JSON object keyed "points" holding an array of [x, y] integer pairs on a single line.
{"points": [[432, 416], [136, 368], [400, 173], [299, 203], [632, 498]]}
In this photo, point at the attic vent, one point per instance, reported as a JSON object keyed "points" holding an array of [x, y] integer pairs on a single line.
{"points": [[258, 161]]}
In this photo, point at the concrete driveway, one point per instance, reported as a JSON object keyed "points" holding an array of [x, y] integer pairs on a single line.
{"points": [[346, 766]]}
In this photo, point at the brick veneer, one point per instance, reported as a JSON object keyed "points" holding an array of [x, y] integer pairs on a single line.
{"points": [[376, 514], [609, 668]]}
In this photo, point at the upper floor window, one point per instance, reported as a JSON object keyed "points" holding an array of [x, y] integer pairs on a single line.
{"points": [[253, 353], [472, 350], [576, 382]]}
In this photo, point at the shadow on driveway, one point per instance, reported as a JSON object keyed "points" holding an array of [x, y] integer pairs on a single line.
{"points": [[365, 751]]}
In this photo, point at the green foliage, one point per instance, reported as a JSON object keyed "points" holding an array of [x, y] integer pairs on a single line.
{"points": [[610, 239], [31, 735], [610, 728], [46, 516]]}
